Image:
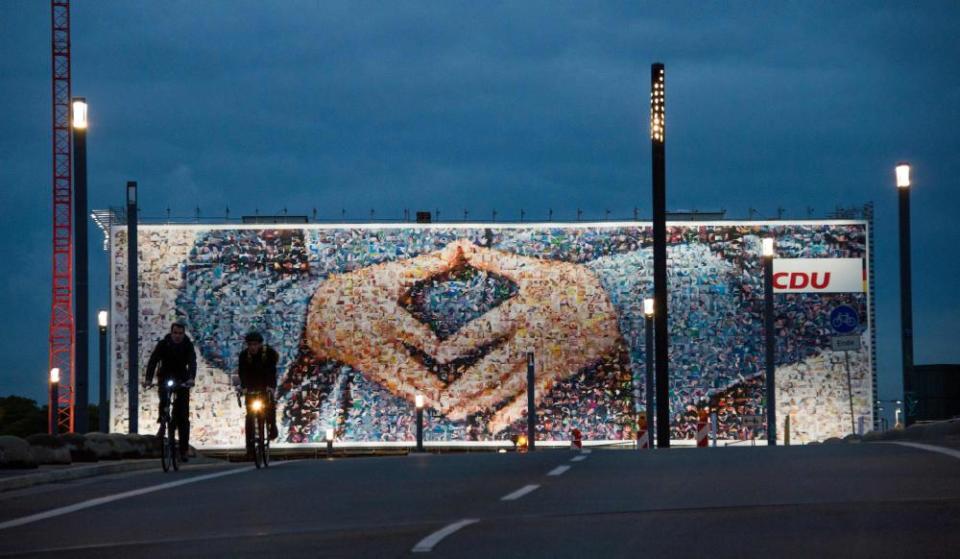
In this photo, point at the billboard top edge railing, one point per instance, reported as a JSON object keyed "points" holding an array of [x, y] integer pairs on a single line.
{"points": [[490, 225]]}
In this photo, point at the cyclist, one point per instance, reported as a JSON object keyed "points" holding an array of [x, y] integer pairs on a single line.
{"points": [[177, 360], [258, 373]]}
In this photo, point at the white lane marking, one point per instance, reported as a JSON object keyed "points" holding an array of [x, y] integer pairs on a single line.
{"points": [[931, 448], [426, 544], [559, 470], [586, 451], [578, 458], [111, 498], [520, 493]]}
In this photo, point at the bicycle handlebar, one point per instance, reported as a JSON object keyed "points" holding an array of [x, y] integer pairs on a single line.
{"points": [[268, 392]]}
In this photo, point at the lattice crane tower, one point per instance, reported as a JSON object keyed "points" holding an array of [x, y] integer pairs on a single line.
{"points": [[61, 311]]}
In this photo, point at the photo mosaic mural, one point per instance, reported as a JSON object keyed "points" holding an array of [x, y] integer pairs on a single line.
{"points": [[367, 317]]}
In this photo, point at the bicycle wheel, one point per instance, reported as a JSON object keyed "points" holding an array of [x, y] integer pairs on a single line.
{"points": [[165, 456], [174, 452], [265, 443], [258, 444]]}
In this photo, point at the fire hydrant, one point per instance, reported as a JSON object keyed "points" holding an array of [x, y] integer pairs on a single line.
{"points": [[576, 439]]}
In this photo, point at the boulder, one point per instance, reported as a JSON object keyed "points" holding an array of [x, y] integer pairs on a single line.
{"points": [[139, 445], [49, 449], [15, 453], [80, 448], [151, 445], [109, 447]]}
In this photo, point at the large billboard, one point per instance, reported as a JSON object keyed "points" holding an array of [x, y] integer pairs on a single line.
{"points": [[365, 317]]}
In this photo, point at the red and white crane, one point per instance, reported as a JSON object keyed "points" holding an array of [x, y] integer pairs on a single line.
{"points": [[61, 310]]}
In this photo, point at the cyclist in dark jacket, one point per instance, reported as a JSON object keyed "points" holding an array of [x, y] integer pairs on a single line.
{"points": [[177, 360], [258, 373]]}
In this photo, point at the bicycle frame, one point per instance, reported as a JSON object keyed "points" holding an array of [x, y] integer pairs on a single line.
{"points": [[257, 403], [169, 451]]}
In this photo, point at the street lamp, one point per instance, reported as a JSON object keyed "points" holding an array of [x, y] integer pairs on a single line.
{"points": [[54, 407], [103, 319], [906, 288], [648, 308], [903, 175], [419, 404], [768, 255], [658, 129], [133, 310], [81, 370], [79, 113]]}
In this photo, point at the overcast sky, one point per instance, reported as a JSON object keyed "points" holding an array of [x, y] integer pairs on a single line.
{"points": [[489, 106]]}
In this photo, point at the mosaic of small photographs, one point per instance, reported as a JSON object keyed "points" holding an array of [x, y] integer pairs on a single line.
{"points": [[365, 319]]}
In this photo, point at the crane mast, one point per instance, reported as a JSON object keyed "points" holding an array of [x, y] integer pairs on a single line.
{"points": [[61, 355]]}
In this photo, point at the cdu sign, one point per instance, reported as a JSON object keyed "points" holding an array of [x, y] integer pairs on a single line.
{"points": [[818, 275]]}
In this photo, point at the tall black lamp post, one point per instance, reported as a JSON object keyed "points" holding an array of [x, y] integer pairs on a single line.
{"points": [[54, 406], [906, 292], [770, 338], [648, 310], [81, 390], [658, 130], [103, 319], [133, 310]]}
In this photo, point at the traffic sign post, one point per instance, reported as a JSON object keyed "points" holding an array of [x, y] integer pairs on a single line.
{"points": [[845, 343], [845, 321]]}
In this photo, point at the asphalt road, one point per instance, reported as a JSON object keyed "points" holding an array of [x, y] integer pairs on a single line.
{"points": [[859, 500]]}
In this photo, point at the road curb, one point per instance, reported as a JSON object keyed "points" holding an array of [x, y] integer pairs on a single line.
{"points": [[67, 474]]}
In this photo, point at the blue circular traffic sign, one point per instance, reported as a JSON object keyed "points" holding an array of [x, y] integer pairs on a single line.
{"points": [[844, 319]]}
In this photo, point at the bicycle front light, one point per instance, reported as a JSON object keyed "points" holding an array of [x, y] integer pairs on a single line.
{"points": [[256, 405], [170, 383]]}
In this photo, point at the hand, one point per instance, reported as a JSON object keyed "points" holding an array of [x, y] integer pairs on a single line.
{"points": [[355, 318], [560, 312]]}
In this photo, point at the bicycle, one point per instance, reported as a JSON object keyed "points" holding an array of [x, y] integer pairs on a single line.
{"points": [[257, 403], [169, 451]]}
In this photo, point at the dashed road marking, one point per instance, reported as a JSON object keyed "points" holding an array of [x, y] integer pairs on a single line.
{"points": [[519, 493], [426, 544], [578, 458], [115, 497], [559, 470]]}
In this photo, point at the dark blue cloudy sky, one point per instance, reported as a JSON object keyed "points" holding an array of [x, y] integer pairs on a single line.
{"points": [[426, 105]]}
